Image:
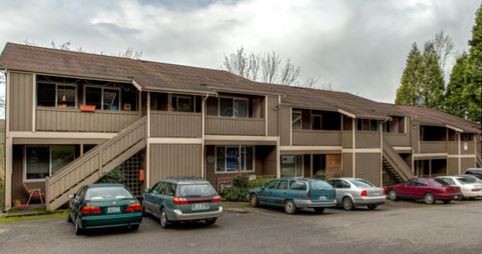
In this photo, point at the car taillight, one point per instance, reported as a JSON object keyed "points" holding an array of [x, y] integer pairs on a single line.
{"points": [[308, 195], [216, 199], [136, 207], [364, 193], [90, 209], [180, 201]]}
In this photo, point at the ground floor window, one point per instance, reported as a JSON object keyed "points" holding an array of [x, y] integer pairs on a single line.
{"points": [[292, 166], [44, 161], [234, 158]]}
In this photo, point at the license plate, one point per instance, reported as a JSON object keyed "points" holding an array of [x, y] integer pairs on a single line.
{"points": [[200, 206], [322, 198], [114, 209]]}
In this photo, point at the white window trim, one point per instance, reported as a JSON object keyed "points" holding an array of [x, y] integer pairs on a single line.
{"points": [[102, 96], [56, 92], [236, 171], [301, 119], [24, 166], [233, 99], [302, 164]]}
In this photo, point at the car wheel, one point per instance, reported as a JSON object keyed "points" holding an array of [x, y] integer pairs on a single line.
{"points": [[134, 227], [163, 219], [392, 194], [372, 207], [144, 213], [290, 207], [78, 229], [447, 201], [69, 219], [211, 221], [253, 200], [428, 198], [319, 210], [348, 204]]}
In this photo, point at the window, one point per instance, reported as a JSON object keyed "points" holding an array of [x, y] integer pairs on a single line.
{"points": [[466, 136], [296, 120], [233, 107], [234, 158], [367, 125], [56, 95], [272, 184], [283, 185], [292, 166], [44, 161], [316, 121], [297, 185], [37, 162], [196, 190], [182, 103], [103, 98]]}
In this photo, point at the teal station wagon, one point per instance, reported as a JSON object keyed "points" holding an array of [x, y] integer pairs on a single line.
{"points": [[293, 194]]}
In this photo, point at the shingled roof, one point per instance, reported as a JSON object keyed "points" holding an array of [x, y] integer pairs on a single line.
{"points": [[432, 117], [153, 76]]}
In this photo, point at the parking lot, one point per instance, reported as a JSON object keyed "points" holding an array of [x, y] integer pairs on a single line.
{"points": [[396, 227]]}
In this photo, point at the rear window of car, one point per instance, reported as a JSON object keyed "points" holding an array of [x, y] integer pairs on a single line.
{"points": [[298, 185], [466, 180], [361, 183], [439, 182], [474, 171], [107, 193], [320, 185], [196, 190]]}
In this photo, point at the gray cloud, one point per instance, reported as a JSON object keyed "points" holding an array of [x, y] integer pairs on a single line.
{"points": [[357, 46]]}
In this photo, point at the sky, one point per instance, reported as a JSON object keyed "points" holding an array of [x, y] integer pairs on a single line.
{"points": [[357, 46]]}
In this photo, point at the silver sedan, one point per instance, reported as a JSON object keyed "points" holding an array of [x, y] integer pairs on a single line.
{"points": [[356, 192]]}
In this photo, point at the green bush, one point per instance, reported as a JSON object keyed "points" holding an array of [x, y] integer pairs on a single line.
{"points": [[114, 176], [241, 187], [240, 182], [234, 194], [258, 183]]}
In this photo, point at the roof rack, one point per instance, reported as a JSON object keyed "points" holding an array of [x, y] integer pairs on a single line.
{"points": [[184, 178]]}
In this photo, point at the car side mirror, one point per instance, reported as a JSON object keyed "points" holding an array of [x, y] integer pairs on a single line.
{"points": [[71, 196], [146, 190]]}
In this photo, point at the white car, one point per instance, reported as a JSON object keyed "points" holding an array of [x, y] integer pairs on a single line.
{"points": [[471, 188]]}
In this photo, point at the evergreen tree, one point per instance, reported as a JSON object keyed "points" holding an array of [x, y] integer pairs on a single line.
{"points": [[432, 81], [408, 91], [455, 103], [473, 89]]}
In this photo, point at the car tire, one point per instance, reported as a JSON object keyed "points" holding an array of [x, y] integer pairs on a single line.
{"points": [[210, 221], [163, 220], [372, 207], [78, 230], [144, 213], [253, 200], [134, 227], [347, 204], [447, 201], [392, 195], [428, 198], [319, 210], [290, 207], [69, 219]]}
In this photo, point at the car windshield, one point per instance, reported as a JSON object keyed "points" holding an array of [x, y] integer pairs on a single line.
{"points": [[466, 180], [196, 190], [474, 171], [361, 183], [107, 193], [320, 185]]}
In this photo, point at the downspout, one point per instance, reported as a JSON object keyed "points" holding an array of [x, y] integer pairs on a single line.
{"points": [[203, 120]]}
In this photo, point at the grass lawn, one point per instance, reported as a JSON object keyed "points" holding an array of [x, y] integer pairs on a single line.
{"points": [[33, 217]]}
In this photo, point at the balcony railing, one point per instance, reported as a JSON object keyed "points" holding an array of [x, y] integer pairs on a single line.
{"points": [[176, 124], [316, 138], [235, 126], [433, 147]]}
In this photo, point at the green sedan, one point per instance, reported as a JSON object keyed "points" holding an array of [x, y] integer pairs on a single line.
{"points": [[103, 206]]}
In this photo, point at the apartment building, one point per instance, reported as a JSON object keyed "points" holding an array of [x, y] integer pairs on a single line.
{"points": [[72, 117]]}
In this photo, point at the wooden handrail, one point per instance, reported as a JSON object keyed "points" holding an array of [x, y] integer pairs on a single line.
{"points": [[396, 161]]}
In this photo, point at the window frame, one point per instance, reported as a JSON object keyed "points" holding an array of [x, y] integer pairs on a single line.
{"points": [[102, 97], [298, 119], [24, 162], [233, 98], [57, 84], [239, 170]]}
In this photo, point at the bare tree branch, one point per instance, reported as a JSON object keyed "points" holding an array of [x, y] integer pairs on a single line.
{"points": [[444, 47]]}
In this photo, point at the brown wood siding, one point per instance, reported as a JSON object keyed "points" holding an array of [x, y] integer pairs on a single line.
{"points": [[316, 138], [415, 133], [433, 146], [452, 147], [367, 139], [235, 126], [396, 139], [284, 125], [20, 101], [212, 106], [176, 124], [466, 163], [73, 120], [174, 160], [273, 115], [347, 165], [469, 145], [347, 139], [368, 167], [453, 166]]}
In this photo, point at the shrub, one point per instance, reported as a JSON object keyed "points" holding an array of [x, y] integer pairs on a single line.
{"points": [[114, 176], [241, 187], [257, 183], [234, 194], [240, 182]]}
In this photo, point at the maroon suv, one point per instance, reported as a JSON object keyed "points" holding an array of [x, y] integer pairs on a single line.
{"points": [[427, 189]]}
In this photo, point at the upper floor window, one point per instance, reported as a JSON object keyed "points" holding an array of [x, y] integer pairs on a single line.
{"points": [[296, 120], [367, 125], [182, 103], [396, 125], [233, 107], [56, 95], [103, 97], [316, 121], [466, 136]]}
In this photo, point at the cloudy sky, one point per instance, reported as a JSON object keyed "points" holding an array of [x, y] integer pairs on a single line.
{"points": [[359, 46]]}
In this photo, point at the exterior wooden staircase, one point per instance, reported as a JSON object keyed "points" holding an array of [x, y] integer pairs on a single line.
{"points": [[91, 166], [394, 165]]}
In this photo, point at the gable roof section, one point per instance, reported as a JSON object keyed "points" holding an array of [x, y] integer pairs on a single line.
{"points": [[433, 117]]}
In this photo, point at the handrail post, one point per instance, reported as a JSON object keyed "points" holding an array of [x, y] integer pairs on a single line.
{"points": [[47, 193]]}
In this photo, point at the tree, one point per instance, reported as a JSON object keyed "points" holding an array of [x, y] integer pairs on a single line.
{"points": [[444, 47], [432, 81], [267, 67], [408, 91], [455, 104]]}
